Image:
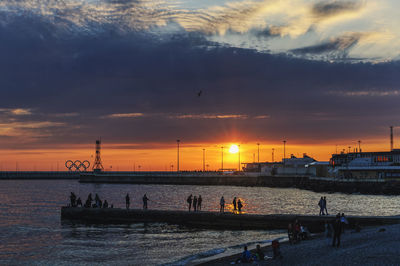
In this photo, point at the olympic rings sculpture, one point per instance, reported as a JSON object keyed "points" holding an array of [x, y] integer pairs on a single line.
{"points": [[77, 165]]}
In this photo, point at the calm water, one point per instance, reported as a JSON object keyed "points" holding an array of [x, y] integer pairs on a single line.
{"points": [[31, 231]]}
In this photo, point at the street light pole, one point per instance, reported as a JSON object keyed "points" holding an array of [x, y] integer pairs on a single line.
{"points": [[177, 164], [284, 149], [239, 157], [258, 152], [204, 160], [273, 154], [222, 158]]}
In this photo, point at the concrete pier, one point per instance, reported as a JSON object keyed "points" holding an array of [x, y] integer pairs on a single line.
{"points": [[212, 220]]}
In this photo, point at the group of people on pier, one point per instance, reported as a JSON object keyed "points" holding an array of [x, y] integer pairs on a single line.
{"points": [[145, 199], [236, 203], [98, 203], [194, 202]]}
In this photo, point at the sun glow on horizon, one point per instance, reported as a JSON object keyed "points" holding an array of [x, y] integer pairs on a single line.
{"points": [[234, 148]]}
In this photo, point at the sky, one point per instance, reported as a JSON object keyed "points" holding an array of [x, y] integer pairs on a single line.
{"points": [[319, 74]]}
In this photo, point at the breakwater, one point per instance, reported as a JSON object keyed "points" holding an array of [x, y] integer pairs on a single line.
{"points": [[39, 175], [364, 186], [213, 220]]}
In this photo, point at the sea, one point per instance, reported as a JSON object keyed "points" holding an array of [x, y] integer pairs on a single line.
{"points": [[32, 232]]}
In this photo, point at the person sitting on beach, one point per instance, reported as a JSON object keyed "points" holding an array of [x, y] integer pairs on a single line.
{"points": [[276, 250], [145, 199], [259, 254], [105, 204], [194, 203], [127, 201], [222, 204], [72, 198], [304, 233], [234, 203], [79, 202], [189, 201], [296, 230], [245, 257], [199, 200], [239, 206]]}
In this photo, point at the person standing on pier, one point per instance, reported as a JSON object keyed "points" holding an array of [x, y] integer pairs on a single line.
{"points": [[222, 204], [194, 203], [321, 206], [72, 198], [199, 200], [79, 202], [234, 204], [145, 199], [189, 201], [127, 201], [324, 208], [239, 205]]}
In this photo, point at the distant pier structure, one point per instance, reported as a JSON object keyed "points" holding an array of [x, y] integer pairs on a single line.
{"points": [[97, 165]]}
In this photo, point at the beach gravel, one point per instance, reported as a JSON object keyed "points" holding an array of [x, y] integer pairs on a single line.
{"points": [[372, 246]]}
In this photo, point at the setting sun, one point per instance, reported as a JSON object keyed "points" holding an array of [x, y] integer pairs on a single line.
{"points": [[234, 148]]}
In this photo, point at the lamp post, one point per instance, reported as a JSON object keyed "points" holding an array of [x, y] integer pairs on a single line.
{"points": [[239, 157], [359, 146], [258, 152], [177, 164], [273, 154], [284, 151], [204, 160], [222, 158]]}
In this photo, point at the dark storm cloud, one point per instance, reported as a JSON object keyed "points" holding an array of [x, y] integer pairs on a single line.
{"points": [[338, 45], [135, 87], [331, 8]]}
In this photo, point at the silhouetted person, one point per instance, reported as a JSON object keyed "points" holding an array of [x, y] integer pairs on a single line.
{"points": [[89, 200], [97, 200], [239, 205], [127, 201], [72, 198], [222, 204], [105, 204], [337, 231], [344, 221], [276, 250], [245, 257], [199, 200], [259, 254], [194, 203], [145, 199], [234, 203], [79, 202], [321, 206], [324, 206], [189, 201]]}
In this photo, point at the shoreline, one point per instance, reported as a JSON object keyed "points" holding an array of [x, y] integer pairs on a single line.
{"points": [[376, 245]]}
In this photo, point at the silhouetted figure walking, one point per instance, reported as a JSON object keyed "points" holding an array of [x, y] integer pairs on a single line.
{"points": [[222, 204], [127, 201], [234, 203], [189, 201], [145, 199], [337, 231], [324, 206], [239, 205], [199, 200], [321, 207], [105, 204], [194, 203]]}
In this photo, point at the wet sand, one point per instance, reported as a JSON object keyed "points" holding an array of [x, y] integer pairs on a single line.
{"points": [[371, 246]]}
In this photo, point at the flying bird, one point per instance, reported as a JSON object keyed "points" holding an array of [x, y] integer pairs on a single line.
{"points": [[199, 93]]}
